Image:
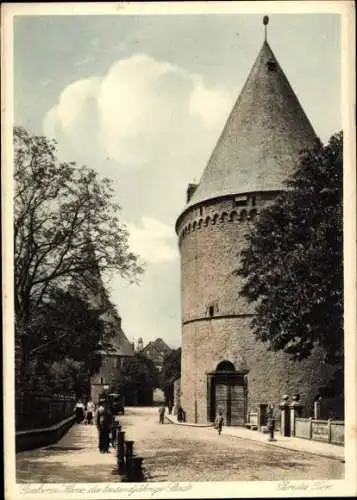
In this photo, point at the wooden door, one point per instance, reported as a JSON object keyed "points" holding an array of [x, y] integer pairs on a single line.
{"points": [[237, 404], [230, 397], [221, 397]]}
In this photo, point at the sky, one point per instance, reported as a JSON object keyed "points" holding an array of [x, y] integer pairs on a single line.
{"points": [[142, 99]]}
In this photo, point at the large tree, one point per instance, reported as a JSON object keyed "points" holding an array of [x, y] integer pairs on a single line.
{"points": [[66, 230], [293, 262], [57, 208]]}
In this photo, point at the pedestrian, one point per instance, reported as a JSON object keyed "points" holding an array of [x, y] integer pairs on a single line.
{"points": [[161, 414], [79, 411], [170, 406], [90, 411], [104, 426], [180, 414], [219, 422]]}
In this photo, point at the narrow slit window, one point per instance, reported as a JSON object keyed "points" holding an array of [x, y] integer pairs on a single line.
{"points": [[240, 201]]}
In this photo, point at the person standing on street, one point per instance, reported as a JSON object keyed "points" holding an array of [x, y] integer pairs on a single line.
{"points": [[181, 416], [161, 414], [79, 411], [104, 425], [219, 422], [90, 411]]}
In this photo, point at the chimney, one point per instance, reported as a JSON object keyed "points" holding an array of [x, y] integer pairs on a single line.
{"points": [[191, 188]]}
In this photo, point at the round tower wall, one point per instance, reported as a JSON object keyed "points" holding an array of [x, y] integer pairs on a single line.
{"points": [[216, 319], [211, 237]]}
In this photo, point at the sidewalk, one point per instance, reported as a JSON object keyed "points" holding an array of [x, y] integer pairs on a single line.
{"points": [[74, 458], [296, 444]]}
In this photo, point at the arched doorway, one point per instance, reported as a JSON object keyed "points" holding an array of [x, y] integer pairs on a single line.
{"points": [[225, 366], [227, 391]]}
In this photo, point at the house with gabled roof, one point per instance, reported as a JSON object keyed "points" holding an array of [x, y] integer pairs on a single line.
{"points": [[156, 350]]}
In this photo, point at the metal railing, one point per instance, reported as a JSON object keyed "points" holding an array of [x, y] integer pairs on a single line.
{"points": [[34, 410]]}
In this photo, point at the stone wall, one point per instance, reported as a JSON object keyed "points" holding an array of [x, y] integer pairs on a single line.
{"points": [[216, 319], [210, 237], [36, 438], [271, 374], [177, 394]]}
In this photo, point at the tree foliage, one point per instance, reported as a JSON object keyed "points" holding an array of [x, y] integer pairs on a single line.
{"points": [[293, 262], [66, 376], [171, 371], [66, 326], [62, 344], [58, 207], [137, 375], [67, 237]]}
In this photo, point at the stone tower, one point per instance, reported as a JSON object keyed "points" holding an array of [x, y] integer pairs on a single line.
{"points": [[223, 367]]}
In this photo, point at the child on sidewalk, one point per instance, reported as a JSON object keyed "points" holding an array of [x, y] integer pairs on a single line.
{"points": [[219, 422]]}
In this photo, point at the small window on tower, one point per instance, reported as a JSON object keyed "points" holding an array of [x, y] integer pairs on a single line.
{"points": [[211, 311], [253, 201], [201, 210], [271, 65]]}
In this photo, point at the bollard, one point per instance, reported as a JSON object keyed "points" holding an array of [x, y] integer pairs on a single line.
{"points": [[120, 452], [137, 470], [117, 429], [114, 434], [129, 452]]}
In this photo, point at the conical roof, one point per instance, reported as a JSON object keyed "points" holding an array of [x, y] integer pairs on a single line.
{"points": [[262, 139]]}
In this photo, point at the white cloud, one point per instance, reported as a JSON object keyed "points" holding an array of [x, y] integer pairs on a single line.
{"points": [[141, 110], [209, 104], [154, 241], [73, 101], [150, 126]]}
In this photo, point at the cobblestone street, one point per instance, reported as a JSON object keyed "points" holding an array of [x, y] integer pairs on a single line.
{"points": [[183, 453], [172, 453]]}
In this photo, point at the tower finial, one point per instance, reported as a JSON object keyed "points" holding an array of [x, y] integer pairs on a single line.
{"points": [[265, 22]]}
